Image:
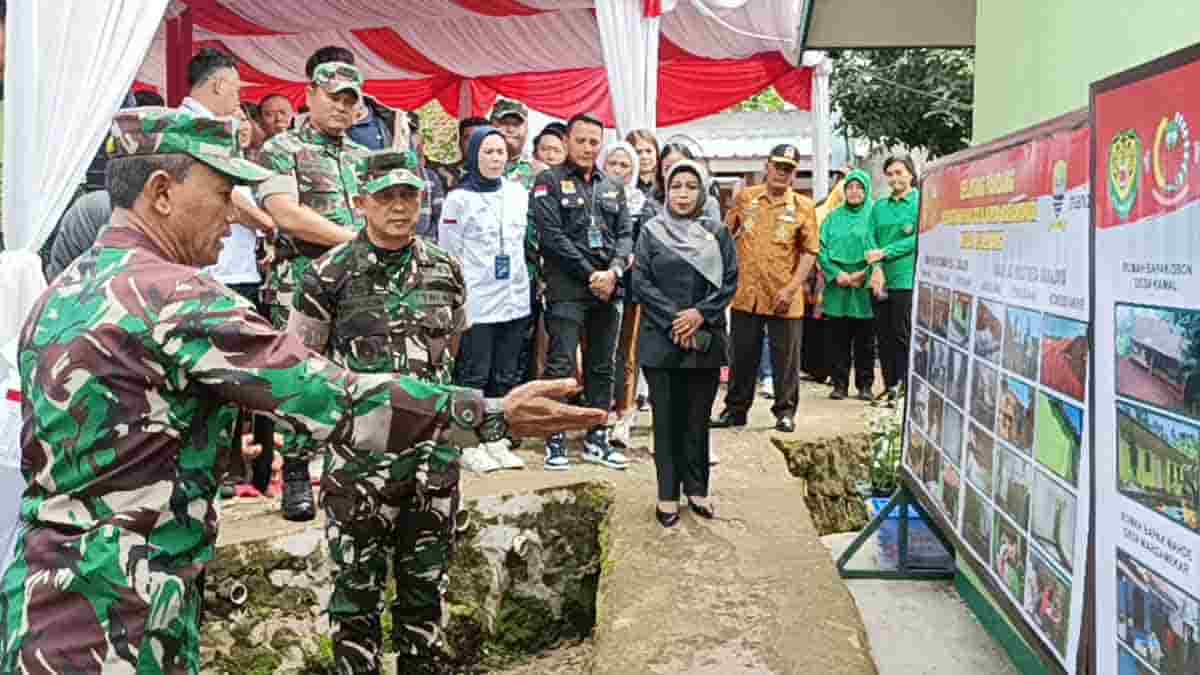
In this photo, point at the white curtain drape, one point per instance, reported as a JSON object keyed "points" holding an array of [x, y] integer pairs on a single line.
{"points": [[630, 42], [72, 61], [822, 128]]}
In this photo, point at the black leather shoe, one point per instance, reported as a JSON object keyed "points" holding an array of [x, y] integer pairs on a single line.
{"points": [[666, 519], [785, 424], [865, 395], [838, 394], [298, 503], [704, 511], [728, 420]]}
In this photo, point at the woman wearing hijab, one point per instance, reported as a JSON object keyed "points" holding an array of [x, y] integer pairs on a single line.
{"points": [[619, 161], [483, 225], [846, 237], [672, 153], [685, 273]]}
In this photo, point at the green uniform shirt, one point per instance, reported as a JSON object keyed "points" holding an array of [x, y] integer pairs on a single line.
{"points": [[382, 311], [127, 363], [895, 224], [846, 236]]}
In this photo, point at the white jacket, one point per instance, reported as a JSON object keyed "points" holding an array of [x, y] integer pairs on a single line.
{"points": [[470, 230]]}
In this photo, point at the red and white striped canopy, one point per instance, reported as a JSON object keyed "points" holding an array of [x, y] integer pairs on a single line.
{"points": [[546, 53]]}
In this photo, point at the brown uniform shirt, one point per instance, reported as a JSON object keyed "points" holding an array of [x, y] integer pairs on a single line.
{"points": [[771, 237]]}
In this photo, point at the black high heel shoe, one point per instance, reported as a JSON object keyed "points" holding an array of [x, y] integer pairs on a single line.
{"points": [[704, 511], [666, 519]]}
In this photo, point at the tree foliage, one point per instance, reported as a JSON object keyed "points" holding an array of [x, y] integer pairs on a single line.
{"points": [[767, 100], [918, 98]]}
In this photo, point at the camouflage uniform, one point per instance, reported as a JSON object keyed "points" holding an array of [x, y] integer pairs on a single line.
{"points": [[125, 362], [385, 312], [321, 172]]}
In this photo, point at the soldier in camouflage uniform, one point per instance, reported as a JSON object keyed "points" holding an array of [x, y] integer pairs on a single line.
{"points": [[126, 363], [386, 302], [311, 197]]}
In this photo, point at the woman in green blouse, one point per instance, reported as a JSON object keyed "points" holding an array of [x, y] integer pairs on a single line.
{"points": [[894, 222], [846, 237]]}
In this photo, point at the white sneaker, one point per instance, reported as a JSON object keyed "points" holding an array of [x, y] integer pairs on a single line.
{"points": [[504, 456], [622, 432], [478, 460]]}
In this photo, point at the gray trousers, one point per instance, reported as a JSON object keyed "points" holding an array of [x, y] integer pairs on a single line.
{"points": [[746, 336]]}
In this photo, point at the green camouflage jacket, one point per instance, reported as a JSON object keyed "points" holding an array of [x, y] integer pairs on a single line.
{"points": [[378, 311], [126, 363]]}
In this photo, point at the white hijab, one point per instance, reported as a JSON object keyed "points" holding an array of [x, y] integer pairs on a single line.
{"points": [[636, 199]]}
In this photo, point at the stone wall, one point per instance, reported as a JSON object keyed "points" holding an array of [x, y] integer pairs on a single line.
{"points": [[524, 578], [831, 472]]}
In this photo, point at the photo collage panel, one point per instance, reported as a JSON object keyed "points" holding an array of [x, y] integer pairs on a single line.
{"points": [[998, 394]]}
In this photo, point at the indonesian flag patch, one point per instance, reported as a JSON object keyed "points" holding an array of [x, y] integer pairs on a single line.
{"points": [[541, 190]]}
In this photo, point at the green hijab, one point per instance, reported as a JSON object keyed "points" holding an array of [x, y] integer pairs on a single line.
{"points": [[847, 230]]}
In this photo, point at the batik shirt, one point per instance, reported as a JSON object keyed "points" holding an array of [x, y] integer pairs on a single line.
{"points": [[127, 363]]}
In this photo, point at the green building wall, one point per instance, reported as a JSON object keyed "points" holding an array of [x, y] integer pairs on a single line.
{"points": [[1034, 59]]}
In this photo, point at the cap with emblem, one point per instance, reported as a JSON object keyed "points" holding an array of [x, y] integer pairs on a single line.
{"points": [[336, 76], [166, 131], [785, 153], [383, 169], [505, 107]]}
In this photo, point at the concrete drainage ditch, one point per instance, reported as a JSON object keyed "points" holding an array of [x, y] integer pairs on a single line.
{"points": [[524, 580]]}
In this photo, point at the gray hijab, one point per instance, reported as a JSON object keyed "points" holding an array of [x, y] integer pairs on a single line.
{"points": [[690, 236]]}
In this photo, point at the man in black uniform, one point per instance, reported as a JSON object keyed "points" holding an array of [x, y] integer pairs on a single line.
{"points": [[586, 240]]}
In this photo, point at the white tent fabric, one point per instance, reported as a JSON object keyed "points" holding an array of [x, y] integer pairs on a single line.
{"points": [[75, 57], [630, 42], [469, 44]]}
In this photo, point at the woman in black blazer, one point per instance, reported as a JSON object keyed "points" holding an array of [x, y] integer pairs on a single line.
{"points": [[685, 275]]}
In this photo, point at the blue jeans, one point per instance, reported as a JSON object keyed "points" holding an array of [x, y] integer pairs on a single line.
{"points": [[764, 370]]}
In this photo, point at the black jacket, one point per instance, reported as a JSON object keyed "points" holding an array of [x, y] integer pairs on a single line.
{"points": [[666, 285], [561, 205]]}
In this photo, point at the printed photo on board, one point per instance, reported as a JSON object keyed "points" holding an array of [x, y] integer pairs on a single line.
{"points": [[1048, 600], [956, 388], [1053, 525], [1008, 556], [960, 320], [951, 489], [1156, 620], [1022, 337], [939, 365], [980, 452], [1158, 357], [941, 311], [925, 306], [935, 418], [952, 433], [914, 456], [1059, 437], [1014, 414], [977, 524], [1014, 484], [1065, 356], [983, 396], [1158, 463], [920, 403], [989, 329], [920, 360]]}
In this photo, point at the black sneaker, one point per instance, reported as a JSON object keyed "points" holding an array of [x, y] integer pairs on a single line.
{"points": [[864, 394], [556, 453], [298, 503], [728, 420], [597, 450], [838, 394]]}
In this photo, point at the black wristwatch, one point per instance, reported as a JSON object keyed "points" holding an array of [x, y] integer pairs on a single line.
{"points": [[493, 427]]}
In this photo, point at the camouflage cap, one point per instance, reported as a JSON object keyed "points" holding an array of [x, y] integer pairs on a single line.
{"points": [[167, 131], [385, 168], [337, 76], [506, 107]]}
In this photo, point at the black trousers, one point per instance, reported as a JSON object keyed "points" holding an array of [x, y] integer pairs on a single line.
{"points": [[746, 336], [489, 357], [601, 323], [814, 349], [852, 341], [893, 328], [682, 400], [527, 363], [263, 427]]}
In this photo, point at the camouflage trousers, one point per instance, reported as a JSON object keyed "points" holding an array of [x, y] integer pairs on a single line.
{"points": [[279, 292], [374, 527]]}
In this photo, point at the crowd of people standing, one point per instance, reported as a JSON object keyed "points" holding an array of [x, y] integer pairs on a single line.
{"points": [[612, 264]]}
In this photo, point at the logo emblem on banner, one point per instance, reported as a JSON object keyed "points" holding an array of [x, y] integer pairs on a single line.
{"points": [[1124, 171], [1170, 158], [1059, 195]]}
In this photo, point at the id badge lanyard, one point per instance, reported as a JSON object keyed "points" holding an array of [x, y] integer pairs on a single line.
{"points": [[503, 264], [595, 236]]}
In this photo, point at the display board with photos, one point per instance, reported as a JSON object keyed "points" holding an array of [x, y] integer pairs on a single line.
{"points": [[998, 383], [1147, 368]]}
